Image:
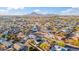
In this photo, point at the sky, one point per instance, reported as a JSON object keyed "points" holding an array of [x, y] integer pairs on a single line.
{"points": [[39, 10]]}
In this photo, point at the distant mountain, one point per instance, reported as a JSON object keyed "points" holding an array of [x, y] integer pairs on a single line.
{"points": [[38, 14], [34, 14]]}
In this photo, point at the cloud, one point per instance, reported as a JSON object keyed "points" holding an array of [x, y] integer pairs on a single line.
{"points": [[11, 11], [39, 11], [71, 11], [4, 11], [9, 8], [36, 10]]}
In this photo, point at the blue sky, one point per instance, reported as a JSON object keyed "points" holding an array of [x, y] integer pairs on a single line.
{"points": [[40, 10]]}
